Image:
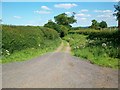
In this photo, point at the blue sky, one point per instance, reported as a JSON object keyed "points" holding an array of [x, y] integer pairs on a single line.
{"points": [[38, 13]]}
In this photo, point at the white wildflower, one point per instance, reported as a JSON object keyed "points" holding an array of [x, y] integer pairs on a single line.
{"points": [[91, 41], [103, 45], [7, 51], [77, 46], [74, 47], [39, 45]]}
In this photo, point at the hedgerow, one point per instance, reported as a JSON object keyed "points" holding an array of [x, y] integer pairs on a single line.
{"points": [[100, 47], [16, 38]]}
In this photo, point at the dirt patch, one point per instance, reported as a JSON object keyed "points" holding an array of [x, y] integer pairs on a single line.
{"points": [[60, 47], [64, 48], [71, 64]]}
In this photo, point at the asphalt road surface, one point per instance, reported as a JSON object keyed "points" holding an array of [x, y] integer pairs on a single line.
{"points": [[58, 70]]}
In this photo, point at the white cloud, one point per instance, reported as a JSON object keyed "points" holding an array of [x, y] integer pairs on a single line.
{"points": [[42, 12], [65, 6], [45, 8], [104, 16], [103, 11], [82, 15], [83, 18], [84, 10], [17, 17], [117, 0], [68, 12]]}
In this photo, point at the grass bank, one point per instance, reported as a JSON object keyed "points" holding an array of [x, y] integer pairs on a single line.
{"points": [[30, 53], [97, 50], [20, 43]]}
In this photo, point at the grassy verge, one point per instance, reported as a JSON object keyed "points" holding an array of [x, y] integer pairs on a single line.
{"points": [[99, 52], [30, 53], [64, 47]]}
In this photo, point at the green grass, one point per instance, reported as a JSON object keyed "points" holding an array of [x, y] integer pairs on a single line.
{"points": [[64, 47], [16, 38], [93, 50], [20, 43], [30, 53]]}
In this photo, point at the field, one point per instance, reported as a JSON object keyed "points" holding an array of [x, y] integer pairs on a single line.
{"points": [[21, 43], [99, 47]]}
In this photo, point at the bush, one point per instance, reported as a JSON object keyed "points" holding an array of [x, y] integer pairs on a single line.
{"points": [[63, 30], [15, 38]]}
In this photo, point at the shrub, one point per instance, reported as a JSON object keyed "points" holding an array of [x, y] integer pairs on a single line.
{"points": [[15, 38]]}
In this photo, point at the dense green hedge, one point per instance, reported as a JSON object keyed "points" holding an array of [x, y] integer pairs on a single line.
{"points": [[15, 38]]}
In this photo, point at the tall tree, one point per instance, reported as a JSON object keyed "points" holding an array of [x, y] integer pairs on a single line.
{"points": [[103, 24], [95, 24], [53, 25], [50, 24], [61, 29], [117, 13], [64, 19]]}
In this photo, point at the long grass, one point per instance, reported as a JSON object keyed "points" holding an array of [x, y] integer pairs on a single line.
{"points": [[102, 51]]}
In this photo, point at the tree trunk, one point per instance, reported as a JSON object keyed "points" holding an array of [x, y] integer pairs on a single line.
{"points": [[119, 24]]}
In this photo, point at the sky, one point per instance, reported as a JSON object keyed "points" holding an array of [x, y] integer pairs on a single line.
{"points": [[38, 13]]}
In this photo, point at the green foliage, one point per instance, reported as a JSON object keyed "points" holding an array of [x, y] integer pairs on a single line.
{"points": [[89, 31], [61, 29], [29, 53], [95, 24], [99, 48], [64, 19], [16, 38], [62, 24], [103, 24], [52, 25], [117, 11]]}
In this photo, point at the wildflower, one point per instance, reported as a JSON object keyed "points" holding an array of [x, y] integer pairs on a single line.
{"points": [[91, 41], [39, 45], [7, 51], [74, 47], [103, 45], [77, 46]]}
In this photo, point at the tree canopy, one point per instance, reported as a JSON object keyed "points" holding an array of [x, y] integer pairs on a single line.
{"points": [[64, 19], [95, 24], [117, 10], [61, 24], [103, 24], [117, 13]]}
